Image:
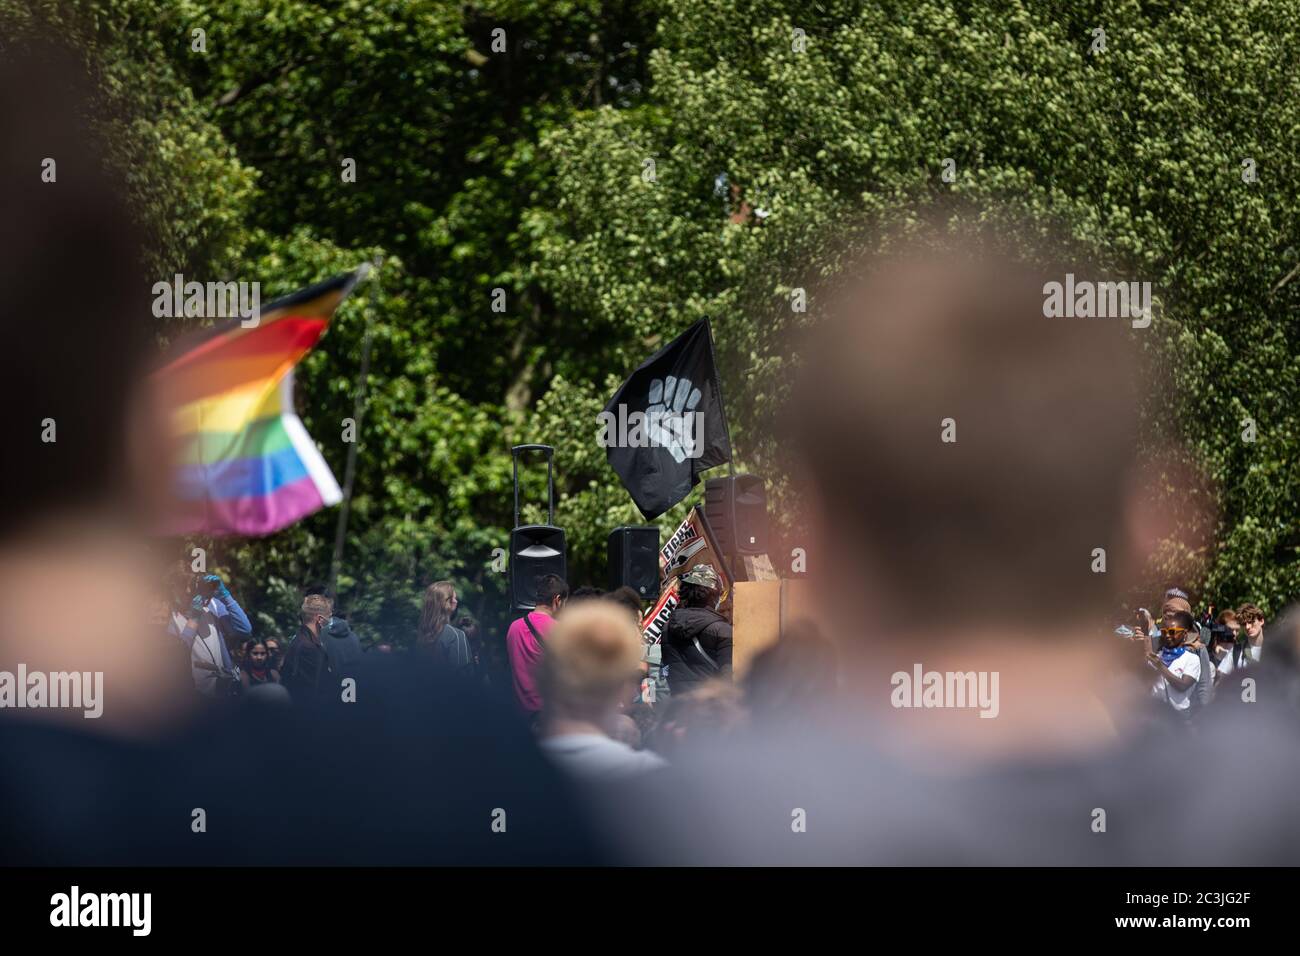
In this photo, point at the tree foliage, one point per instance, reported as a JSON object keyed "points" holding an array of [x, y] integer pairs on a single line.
{"points": [[621, 169], [1135, 151]]}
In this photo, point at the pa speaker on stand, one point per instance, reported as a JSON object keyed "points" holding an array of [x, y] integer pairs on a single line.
{"points": [[535, 549]]}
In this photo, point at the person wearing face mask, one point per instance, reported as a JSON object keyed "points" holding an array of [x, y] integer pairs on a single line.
{"points": [[341, 643], [307, 667], [697, 641], [257, 667]]}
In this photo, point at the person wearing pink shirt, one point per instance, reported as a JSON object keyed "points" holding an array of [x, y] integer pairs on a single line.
{"points": [[525, 640]]}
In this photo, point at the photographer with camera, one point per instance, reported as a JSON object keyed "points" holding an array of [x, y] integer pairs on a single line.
{"points": [[1238, 639], [213, 621], [1224, 653]]}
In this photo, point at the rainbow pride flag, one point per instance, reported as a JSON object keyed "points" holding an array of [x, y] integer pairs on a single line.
{"points": [[244, 463]]}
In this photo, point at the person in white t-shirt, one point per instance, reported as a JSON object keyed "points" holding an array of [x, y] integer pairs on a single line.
{"points": [[592, 652], [1235, 657], [1177, 666], [1249, 632], [1252, 622]]}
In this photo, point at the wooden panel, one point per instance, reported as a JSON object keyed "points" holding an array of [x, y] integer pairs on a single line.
{"points": [[761, 610], [755, 622]]}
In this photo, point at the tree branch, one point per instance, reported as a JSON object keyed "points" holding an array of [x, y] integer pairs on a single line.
{"points": [[257, 80]]}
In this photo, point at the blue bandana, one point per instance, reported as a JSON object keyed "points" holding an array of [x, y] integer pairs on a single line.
{"points": [[1171, 654]]}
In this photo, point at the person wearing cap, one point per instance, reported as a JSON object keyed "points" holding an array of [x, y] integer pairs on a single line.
{"points": [[697, 641]]}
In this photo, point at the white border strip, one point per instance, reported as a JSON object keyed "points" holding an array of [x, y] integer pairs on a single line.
{"points": [[319, 471]]}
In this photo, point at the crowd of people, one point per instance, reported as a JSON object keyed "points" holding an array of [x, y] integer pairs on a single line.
{"points": [[1193, 657], [935, 555], [575, 665], [958, 460], [602, 702], [215, 647]]}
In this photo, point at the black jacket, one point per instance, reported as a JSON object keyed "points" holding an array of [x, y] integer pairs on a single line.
{"points": [[686, 666], [342, 645], [306, 666]]}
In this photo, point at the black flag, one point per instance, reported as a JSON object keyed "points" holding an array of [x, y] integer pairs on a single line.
{"points": [[666, 424]]}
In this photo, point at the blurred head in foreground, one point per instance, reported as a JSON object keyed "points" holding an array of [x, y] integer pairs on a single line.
{"points": [[966, 462], [74, 578], [76, 336], [962, 454], [794, 678], [703, 719], [592, 653]]}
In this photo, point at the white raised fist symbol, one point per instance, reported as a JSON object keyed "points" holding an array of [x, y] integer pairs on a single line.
{"points": [[671, 419]]}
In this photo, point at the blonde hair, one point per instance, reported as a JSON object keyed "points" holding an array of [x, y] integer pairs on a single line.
{"points": [[316, 604], [436, 613], [592, 652]]}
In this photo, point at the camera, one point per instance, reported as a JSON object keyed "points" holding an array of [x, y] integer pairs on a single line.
{"points": [[1222, 634]]}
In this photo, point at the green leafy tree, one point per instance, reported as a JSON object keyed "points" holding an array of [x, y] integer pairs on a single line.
{"points": [[619, 169], [775, 126]]}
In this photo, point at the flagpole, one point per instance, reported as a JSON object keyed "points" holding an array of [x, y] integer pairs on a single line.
{"points": [[722, 405], [358, 412]]}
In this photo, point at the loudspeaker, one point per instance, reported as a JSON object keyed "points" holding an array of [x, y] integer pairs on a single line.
{"points": [[736, 509], [535, 549], [634, 560]]}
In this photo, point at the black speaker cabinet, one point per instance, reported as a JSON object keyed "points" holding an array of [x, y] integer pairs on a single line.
{"points": [[634, 560], [535, 549], [736, 508]]}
